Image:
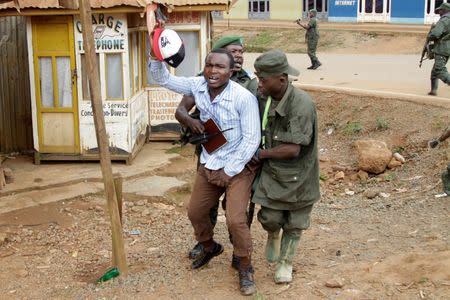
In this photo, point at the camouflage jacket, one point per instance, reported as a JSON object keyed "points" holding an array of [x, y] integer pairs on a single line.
{"points": [[441, 35]]}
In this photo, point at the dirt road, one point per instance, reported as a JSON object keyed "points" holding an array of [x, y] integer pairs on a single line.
{"points": [[374, 72]]}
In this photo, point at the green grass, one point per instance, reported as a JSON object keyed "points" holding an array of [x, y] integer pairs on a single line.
{"points": [[381, 124], [352, 128], [260, 43], [398, 149], [258, 296], [176, 150], [390, 177]]}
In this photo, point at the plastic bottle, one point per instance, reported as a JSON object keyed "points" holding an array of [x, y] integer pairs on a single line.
{"points": [[110, 274]]}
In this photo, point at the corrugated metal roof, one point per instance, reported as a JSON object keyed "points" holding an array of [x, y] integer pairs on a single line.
{"points": [[67, 4]]}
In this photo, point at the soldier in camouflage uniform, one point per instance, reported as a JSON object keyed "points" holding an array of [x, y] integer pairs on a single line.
{"points": [[289, 182], [446, 175], [234, 45], [440, 34], [312, 38]]}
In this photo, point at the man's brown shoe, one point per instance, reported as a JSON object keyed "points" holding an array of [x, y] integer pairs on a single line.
{"points": [[246, 282]]}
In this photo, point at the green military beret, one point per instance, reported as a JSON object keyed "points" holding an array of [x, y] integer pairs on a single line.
{"points": [[273, 62], [228, 40], [444, 6]]}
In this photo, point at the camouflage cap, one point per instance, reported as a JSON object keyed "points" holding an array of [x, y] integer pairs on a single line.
{"points": [[313, 11], [444, 7], [228, 40], [273, 62]]}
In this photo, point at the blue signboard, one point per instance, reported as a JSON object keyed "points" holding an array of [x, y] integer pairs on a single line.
{"points": [[413, 12], [343, 10]]}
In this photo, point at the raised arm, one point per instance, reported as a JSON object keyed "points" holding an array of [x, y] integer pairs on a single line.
{"points": [[182, 85]]}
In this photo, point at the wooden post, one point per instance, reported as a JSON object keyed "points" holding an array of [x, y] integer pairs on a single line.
{"points": [[118, 182], [2, 178], [118, 248]]}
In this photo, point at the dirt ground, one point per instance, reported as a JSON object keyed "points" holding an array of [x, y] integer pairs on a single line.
{"points": [[392, 246], [330, 41]]}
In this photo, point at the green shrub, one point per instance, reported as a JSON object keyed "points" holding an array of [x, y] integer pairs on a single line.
{"points": [[352, 128], [381, 124]]}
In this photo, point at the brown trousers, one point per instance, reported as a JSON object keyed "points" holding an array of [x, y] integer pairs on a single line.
{"points": [[205, 195]]}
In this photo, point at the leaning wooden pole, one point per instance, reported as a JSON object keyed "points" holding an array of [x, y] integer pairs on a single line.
{"points": [[118, 248]]}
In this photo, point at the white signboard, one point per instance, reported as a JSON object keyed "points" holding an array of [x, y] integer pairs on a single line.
{"points": [[110, 33], [116, 119], [344, 2], [163, 104]]}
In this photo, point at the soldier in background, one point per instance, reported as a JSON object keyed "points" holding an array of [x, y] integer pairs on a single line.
{"points": [[440, 34], [446, 175], [311, 37]]}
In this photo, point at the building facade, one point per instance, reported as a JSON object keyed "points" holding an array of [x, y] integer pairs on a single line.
{"points": [[384, 11], [135, 109]]}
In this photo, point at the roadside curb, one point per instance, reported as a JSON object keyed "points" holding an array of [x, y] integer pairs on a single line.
{"points": [[425, 100], [328, 26]]}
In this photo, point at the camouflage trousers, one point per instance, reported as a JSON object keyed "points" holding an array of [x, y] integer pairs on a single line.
{"points": [[311, 50], [292, 221], [439, 70]]}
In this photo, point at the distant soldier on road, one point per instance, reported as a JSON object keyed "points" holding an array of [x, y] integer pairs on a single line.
{"points": [[311, 37], [440, 34]]}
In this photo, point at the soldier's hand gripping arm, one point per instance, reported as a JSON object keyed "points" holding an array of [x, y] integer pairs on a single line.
{"points": [[182, 115], [445, 135], [283, 151]]}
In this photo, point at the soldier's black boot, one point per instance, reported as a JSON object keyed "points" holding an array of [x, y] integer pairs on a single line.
{"points": [[434, 87], [316, 65]]}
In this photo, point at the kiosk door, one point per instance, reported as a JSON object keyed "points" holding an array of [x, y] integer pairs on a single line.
{"points": [[430, 7], [55, 84], [374, 11]]}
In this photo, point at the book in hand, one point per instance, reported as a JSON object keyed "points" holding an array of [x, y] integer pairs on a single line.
{"points": [[212, 139]]}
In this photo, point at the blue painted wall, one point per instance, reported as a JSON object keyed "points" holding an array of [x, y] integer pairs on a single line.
{"points": [[413, 9], [343, 8]]}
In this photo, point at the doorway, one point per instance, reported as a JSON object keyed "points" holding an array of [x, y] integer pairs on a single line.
{"points": [[55, 84], [374, 11], [320, 5], [430, 7], [259, 9]]}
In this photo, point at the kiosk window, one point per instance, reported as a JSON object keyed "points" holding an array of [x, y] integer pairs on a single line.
{"points": [[84, 78], [114, 76], [134, 41], [46, 81], [191, 63]]}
